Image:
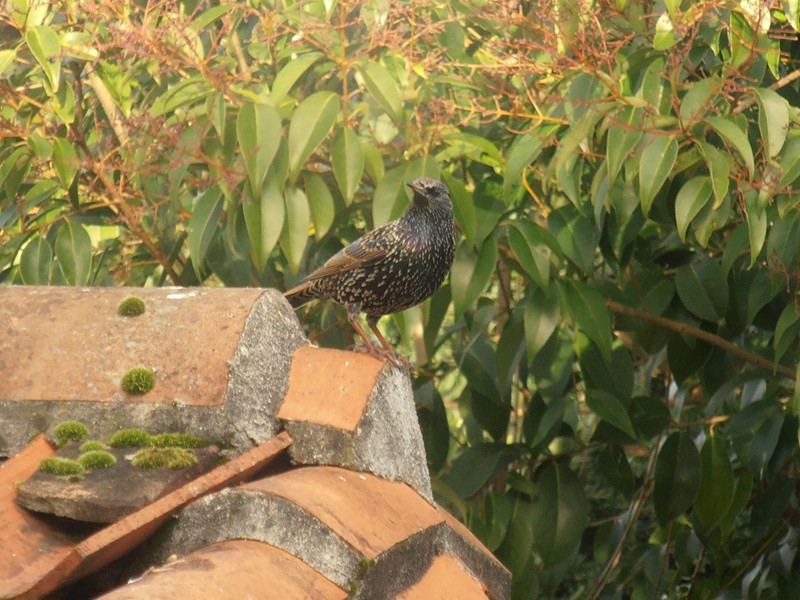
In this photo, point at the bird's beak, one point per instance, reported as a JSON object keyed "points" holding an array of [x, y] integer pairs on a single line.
{"points": [[416, 188]]}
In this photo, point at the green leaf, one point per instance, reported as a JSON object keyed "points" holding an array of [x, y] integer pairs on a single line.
{"points": [[696, 101], [44, 45], [616, 469], [532, 251], [263, 218], [258, 129], [475, 466], [35, 262], [575, 236], [560, 513], [786, 330], [463, 207], [523, 151], [65, 161], [716, 485], [756, 223], [295, 231], [773, 119], [321, 203], [347, 160], [203, 225], [589, 313], [471, 273], [384, 89], [6, 58], [692, 197], [719, 166], [655, 165], [790, 162], [622, 139], [390, 197], [677, 477], [289, 74], [731, 133], [609, 408], [310, 124], [703, 289], [542, 315], [74, 253]]}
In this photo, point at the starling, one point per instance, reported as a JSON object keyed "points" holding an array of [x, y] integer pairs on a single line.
{"points": [[391, 268]]}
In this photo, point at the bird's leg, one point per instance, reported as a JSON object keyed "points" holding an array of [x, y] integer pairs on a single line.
{"points": [[394, 357]]}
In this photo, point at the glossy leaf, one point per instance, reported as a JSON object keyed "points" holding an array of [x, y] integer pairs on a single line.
{"points": [[655, 165], [719, 167], [622, 139], [523, 151], [383, 88], [44, 44], [347, 160], [258, 129], [289, 74], [532, 251], [295, 231], [560, 513], [588, 311], [773, 119], [731, 133], [34, 264], [542, 315], [756, 224], [703, 289], [610, 409], [463, 208], [321, 203], [263, 217], [471, 273], [74, 253], [203, 225], [310, 125], [65, 161], [677, 477], [692, 197], [717, 485]]}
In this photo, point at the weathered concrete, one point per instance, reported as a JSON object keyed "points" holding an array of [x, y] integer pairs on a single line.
{"points": [[257, 376], [387, 441], [107, 495]]}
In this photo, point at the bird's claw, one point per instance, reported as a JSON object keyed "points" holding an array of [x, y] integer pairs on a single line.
{"points": [[398, 360]]}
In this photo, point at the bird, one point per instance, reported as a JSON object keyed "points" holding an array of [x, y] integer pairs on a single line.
{"points": [[391, 268]]}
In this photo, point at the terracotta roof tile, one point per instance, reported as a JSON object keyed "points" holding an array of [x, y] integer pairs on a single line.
{"points": [[236, 569], [329, 387], [49, 326], [369, 513], [446, 579]]}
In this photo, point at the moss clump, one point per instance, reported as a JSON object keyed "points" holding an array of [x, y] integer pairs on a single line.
{"points": [[97, 459], [131, 307], [177, 440], [138, 381], [70, 431], [91, 446], [130, 438], [174, 458], [61, 467]]}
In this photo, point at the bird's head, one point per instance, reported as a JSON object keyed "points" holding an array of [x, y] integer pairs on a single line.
{"points": [[430, 193]]}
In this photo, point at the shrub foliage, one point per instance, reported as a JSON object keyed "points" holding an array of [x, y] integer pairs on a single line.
{"points": [[607, 382]]}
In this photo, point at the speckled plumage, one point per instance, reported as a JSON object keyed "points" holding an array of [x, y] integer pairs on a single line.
{"points": [[393, 267]]}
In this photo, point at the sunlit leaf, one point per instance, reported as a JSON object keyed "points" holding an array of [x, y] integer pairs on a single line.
{"points": [[655, 165], [383, 87], [347, 161], [310, 124], [295, 231], [203, 225], [471, 273], [34, 264], [258, 129], [74, 253], [589, 312], [731, 133]]}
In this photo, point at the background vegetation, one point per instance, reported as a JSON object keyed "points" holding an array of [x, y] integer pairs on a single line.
{"points": [[607, 382]]}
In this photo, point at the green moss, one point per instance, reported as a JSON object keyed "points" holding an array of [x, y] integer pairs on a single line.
{"points": [[131, 307], [174, 458], [70, 431], [130, 438], [138, 381], [177, 440], [97, 459], [92, 445], [61, 467]]}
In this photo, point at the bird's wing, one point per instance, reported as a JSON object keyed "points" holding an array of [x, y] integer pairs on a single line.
{"points": [[364, 252]]}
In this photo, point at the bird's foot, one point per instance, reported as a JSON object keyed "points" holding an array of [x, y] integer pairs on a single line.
{"points": [[398, 360]]}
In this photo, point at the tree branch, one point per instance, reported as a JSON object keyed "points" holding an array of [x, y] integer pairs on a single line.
{"points": [[695, 332]]}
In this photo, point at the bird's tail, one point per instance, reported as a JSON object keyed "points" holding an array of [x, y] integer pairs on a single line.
{"points": [[300, 295]]}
